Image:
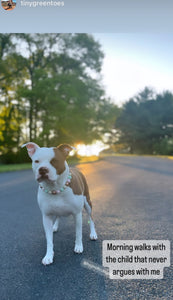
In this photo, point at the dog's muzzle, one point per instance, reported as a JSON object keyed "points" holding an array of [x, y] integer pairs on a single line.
{"points": [[43, 174]]}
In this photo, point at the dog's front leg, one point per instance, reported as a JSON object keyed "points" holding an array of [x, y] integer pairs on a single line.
{"points": [[48, 228], [78, 242]]}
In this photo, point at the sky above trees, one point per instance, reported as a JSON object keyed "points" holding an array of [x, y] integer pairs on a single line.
{"points": [[134, 61]]}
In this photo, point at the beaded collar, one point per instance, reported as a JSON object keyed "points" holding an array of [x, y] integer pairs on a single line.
{"points": [[55, 192]]}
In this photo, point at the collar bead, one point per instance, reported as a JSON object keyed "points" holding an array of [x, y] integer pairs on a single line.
{"points": [[55, 192]]}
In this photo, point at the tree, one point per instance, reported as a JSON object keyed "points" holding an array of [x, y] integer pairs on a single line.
{"points": [[50, 83], [146, 122], [10, 109], [59, 70]]}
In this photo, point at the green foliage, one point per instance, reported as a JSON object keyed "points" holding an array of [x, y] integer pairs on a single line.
{"points": [[145, 124], [50, 90]]}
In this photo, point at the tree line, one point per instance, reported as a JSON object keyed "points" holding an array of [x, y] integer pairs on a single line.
{"points": [[145, 124], [51, 92]]}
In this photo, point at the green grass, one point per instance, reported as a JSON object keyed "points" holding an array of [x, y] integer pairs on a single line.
{"points": [[71, 161], [15, 167], [133, 155]]}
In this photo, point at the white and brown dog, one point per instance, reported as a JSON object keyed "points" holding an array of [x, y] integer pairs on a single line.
{"points": [[63, 191]]}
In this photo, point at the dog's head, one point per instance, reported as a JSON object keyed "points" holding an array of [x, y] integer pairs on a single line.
{"points": [[48, 163]]}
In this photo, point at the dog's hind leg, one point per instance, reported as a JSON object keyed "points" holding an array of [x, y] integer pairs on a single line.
{"points": [[93, 234], [56, 225]]}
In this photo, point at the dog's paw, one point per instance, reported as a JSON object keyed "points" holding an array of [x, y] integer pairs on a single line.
{"points": [[78, 248], [47, 260], [93, 236]]}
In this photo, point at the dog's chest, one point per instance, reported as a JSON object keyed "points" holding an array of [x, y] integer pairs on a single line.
{"points": [[63, 204]]}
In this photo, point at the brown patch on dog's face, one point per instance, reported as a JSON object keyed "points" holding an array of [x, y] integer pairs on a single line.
{"points": [[58, 162]]}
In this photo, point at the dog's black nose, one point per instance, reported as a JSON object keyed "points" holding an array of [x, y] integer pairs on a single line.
{"points": [[43, 171]]}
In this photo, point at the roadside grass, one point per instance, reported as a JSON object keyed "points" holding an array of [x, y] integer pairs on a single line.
{"points": [[135, 155], [27, 166], [87, 159], [15, 167]]}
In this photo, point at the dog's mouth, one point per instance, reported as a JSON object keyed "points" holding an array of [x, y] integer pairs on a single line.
{"points": [[43, 178]]}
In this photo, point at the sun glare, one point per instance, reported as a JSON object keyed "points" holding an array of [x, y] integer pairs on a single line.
{"points": [[90, 150]]}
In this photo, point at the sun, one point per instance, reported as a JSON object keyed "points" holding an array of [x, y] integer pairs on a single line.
{"points": [[90, 150]]}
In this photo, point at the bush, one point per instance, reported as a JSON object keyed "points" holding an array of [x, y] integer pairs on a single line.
{"points": [[19, 157]]}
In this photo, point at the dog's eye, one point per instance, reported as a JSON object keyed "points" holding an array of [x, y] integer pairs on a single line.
{"points": [[36, 161]]}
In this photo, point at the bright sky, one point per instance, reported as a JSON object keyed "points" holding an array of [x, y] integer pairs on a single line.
{"points": [[134, 61]]}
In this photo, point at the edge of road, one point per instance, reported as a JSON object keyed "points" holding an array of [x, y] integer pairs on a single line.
{"points": [[82, 160]]}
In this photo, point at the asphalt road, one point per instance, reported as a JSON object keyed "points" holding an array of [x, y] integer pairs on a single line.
{"points": [[132, 199]]}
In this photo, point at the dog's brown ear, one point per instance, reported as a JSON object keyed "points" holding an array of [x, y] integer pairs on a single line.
{"points": [[31, 147], [65, 149]]}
